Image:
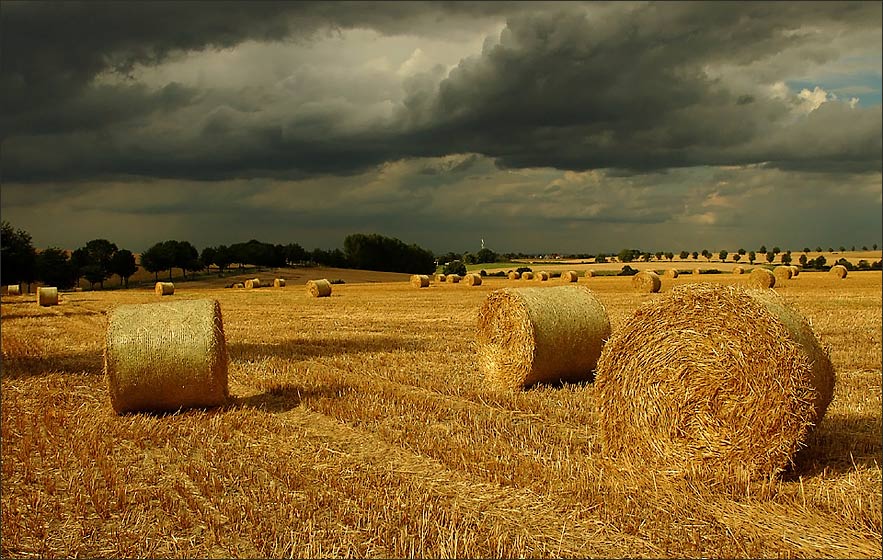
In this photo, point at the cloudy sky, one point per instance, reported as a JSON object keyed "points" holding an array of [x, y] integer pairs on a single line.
{"points": [[537, 127]]}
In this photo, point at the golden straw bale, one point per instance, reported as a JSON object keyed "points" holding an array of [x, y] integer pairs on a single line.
{"points": [[164, 288], [542, 276], [472, 279], [696, 271], [569, 276], [279, 283], [239, 285], [738, 270], [420, 280], [647, 282], [47, 296], [440, 278], [782, 273], [589, 273], [838, 271], [253, 283], [527, 275], [531, 335], [795, 270], [13, 290], [454, 278], [714, 381], [671, 273], [166, 356], [761, 278], [319, 288], [514, 275]]}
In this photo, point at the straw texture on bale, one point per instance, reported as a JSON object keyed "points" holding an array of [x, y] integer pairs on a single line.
{"points": [[164, 288], [647, 282], [838, 271], [761, 278], [514, 275], [542, 276], [532, 335], [454, 278], [166, 356], [782, 273], [527, 275], [472, 279], [253, 283], [738, 270], [279, 283], [712, 380], [440, 278], [589, 273], [319, 288], [420, 280], [671, 273], [795, 270], [569, 276], [47, 295], [13, 290]]}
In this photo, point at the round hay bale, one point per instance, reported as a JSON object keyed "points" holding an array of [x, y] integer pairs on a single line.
{"points": [[239, 285], [712, 380], [671, 273], [527, 276], [838, 271], [279, 283], [647, 282], [761, 278], [166, 356], [440, 278], [13, 290], [420, 280], [164, 288], [569, 276], [531, 335], [47, 296], [697, 272], [514, 275], [253, 283], [589, 273], [782, 273], [738, 270], [319, 288], [542, 276], [795, 270], [454, 278], [472, 279]]}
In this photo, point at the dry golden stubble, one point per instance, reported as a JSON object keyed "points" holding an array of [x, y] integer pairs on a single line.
{"points": [[712, 380]]}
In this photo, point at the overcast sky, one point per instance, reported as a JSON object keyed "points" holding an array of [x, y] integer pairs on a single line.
{"points": [[536, 127]]}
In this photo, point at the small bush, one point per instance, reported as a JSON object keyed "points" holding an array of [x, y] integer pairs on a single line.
{"points": [[338, 281], [523, 269], [627, 271], [455, 267]]}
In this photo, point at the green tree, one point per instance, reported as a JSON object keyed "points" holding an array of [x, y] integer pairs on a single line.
{"points": [[770, 257], [17, 255], [669, 255], [53, 268], [695, 255], [803, 259], [751, 257], [786, 258], [659, 255], [737, 257], [78, 261], [707, 254], [485, 255], [762, 249], [818, 249], [455, 267], [723, 255], [158, 258], [601, 258], [806, 249], [683, 255], [123, 264], [820, 262], [741, 252], [99, 253], [776, 250], [207, 256]]}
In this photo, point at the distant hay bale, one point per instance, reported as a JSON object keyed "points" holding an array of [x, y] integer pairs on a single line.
{"points": [[761, 278], [164, 288], [253, 283], [738, 270], [514, 275], [671, 273], [532, 335], [782, 273], [319, 288], [166, 356], [527, 275], [279, 283], [420, 280], [239, 285], [13, 290], [697, 272], [731, 388], [47, 296], [454, 278], [472, 279], [795, 270], [647, 282], [838, 271], [440, 278], [589, 273], [569, 276], [542, 276]]}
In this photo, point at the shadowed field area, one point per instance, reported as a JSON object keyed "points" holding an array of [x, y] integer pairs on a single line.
{"points": [[360, 425]]}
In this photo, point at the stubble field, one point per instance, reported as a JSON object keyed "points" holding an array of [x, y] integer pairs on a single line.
{"points": [[360, 425]]}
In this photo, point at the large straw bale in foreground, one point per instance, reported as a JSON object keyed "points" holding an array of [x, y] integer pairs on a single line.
{"points": [[671, 273], [420, 280], [782, 273], [569, 276], [514, 275], [647, 282], [164, 288], [838, 271], [279, 283], [738, 270], [472, 279], [761, 278], [319, 288], [531, 335], [47, 296], [712, 380], [13, 289], [166, 356]]}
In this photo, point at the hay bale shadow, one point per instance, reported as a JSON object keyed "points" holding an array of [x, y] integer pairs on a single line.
{"points": [[286, 396]]}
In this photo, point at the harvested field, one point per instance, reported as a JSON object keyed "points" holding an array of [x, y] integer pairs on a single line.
{"points": [[357, 426]]}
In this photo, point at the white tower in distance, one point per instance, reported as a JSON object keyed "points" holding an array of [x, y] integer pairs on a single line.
{"points": [[482, 243]]}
